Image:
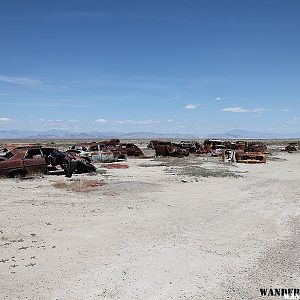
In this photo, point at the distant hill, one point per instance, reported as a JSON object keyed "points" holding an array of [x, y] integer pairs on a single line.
{"points": [[240, 133], [64, 134], [56, 134]]}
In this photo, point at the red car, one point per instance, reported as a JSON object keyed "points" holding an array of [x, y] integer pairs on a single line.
{"points": [[19, 162]]}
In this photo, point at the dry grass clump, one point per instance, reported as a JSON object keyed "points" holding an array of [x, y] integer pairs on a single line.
{"points": [[116, 166], [78, 186], [197, 171], [145, 165], [192, 166]]}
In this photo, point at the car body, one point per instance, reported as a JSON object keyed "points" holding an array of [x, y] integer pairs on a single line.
{"points": [[100, 152], [250, 157], [19, 162], [31, 160]]}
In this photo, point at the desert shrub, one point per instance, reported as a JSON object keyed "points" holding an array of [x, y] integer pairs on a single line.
{"points": [[79, 185], [197, 171]]}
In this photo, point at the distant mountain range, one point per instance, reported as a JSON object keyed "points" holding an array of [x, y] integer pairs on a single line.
{"points": [[240, 133], [64, 134]]}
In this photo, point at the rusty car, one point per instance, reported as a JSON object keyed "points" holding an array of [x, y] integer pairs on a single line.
{"points": [[291, 147], [132, 150], [169, 149], [22, 161], [250, 157], [99, 152]]}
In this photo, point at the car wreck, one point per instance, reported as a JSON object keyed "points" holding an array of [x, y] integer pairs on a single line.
{"points": [[193, 146], [213, 147], [107, 151], [95, 152], [250, 157], [132, 150], [126, 149], [24, 161], [291, 147], [256, 147], [169, 149]]}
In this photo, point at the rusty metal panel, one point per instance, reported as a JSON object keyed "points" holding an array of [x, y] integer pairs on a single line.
{"points": [[16, 163], [250, 157]]}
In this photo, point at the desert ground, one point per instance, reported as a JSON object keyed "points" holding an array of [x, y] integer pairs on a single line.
{"points": [[163, 228]]}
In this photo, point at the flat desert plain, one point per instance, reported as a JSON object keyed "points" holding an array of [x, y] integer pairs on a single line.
{"points": [[172, 228]]}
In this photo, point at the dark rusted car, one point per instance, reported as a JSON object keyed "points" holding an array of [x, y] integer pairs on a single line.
{"points": [[23, 160], [250, 157], [124, 149], [153, 143], [193, 146], [132, 150], [256, 147], [18, 162], [291, 147], [112, 142], [170, 149]]}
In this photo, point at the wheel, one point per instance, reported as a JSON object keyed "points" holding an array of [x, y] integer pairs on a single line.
{"points": [[16, 174]]}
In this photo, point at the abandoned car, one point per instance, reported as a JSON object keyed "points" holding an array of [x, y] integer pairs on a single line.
{"points": [[291, 147], [250, 157], [23, 160], [170, 149], [95, 152]]}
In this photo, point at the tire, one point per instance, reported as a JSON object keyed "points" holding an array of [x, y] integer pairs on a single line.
{"points": [[16, 174], [83, 167]]}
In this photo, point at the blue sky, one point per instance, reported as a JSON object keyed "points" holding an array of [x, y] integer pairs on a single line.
{"points": [[162, 66]]}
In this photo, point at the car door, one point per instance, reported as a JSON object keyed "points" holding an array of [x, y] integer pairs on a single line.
{"points": [[34, 162]]}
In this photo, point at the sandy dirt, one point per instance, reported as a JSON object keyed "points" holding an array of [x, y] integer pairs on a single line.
{"points": [[157, 230]]}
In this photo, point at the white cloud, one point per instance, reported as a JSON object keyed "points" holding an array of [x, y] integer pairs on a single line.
{"points": [[101, 121], [220, 98], [128, 122], [29, 82], [293, 121], [190, 106], [4, 119], [242, 110], [24, 81], [170, 120], [45, 121], [141, 122]]}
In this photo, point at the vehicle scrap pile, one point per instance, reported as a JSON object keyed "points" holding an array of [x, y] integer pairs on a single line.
{"points": [[26, 160], [19, 160], [245, 152], [163, 148], [239, 151], [291, 147], [106, 151]]}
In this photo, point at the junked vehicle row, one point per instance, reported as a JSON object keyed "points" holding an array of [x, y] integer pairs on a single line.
{"points": [[33, 159], [18, 160], [239, 151]]}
